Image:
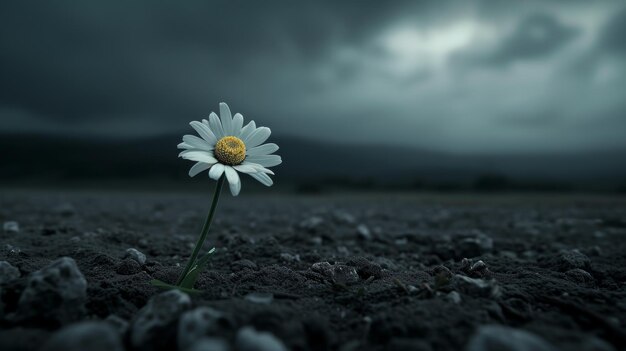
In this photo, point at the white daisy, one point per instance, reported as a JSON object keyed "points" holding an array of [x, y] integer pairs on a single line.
{"points": [[227, 147]]}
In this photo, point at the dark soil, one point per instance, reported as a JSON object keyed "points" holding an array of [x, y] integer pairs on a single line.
{"points": [[556, 266]]}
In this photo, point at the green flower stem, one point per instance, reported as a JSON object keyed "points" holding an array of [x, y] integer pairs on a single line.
{"points": [[205, 230]]}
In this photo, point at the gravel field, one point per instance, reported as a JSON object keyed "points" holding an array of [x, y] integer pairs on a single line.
{"points": [[329, 272]]}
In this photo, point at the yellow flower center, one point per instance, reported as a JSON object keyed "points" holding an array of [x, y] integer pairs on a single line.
{"points": [[230, 150]]}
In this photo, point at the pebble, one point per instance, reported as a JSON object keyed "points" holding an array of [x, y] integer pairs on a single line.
{"points": [[259, 298], [135, 255], [365, 268], [499, 338], [155, 316], [401, 242], [11, 227], [248, 339], [54, 293], [344, 217], [339, 273], [92, 336], [312, 223], [316, 240], [323, 268], [578, 275], [477, 287], [454, 297], [210, 344], [363, 232], [197, 323], [8, 272], [343, 274], [65, 209], [240, 265], [571, 259], [118, 323], [342, 250], [477, 245], [12, 250]]}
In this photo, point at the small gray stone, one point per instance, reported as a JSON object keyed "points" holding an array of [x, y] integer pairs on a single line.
{"points": [[197, 323], [209, 344], [401, 241], [11, 227], [578, 275], [65, 209], [8, 272], [477, 287], [118, 323], [135, 255], [316, 240], [344, 274], [154, 318], [248, 339], [454, 297], [571, 259], [54, 293], [365, 268], [344, 217], [312, 223], [92, 336], [363, 232], [498, 338], [260, 298], [323, 268], [342, 250], [474, 246]]}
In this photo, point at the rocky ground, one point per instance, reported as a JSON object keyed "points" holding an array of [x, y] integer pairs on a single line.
{"points": [[357, 272]]}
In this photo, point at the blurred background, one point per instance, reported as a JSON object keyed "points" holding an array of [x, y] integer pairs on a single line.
{"points": [[365, 95]]}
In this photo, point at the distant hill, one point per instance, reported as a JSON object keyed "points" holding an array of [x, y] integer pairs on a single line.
{"points": [[53, 159]]}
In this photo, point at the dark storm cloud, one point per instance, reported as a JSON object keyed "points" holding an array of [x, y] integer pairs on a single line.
{"points": [[462, 75], [534, 37], [613, 35], [97, 58]]}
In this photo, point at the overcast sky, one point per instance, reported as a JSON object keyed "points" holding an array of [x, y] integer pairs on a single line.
{"points": [[464, 76]]}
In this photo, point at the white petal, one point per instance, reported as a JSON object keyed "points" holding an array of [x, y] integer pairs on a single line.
{"points": [[184, 145], [216, 126], [257, 137], [246, 168], [197, 143], [198, 156], [199, 167], [245, 131], [262, 178], [264, 149], [233, 180], [227, 119], [255, 166], [237, 124], [204, 132], [265, 160], [265, 170], [216, 171]]}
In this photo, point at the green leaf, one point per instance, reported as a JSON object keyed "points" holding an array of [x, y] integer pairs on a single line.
{"points": [[190, 279]]}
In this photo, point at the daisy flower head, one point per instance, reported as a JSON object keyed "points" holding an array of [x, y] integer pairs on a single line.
{"points": [[226, 147]]}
